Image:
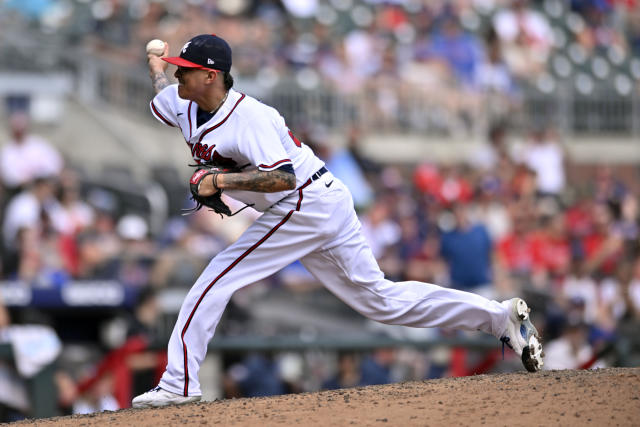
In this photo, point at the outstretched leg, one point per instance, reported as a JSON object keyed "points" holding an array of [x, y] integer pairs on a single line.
{"points": [[350, 271]]}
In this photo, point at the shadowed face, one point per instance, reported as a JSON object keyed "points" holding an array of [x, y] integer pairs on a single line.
{"points": [[192, 82]]}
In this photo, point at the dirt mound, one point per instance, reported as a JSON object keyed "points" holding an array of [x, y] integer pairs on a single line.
{"points": [[567, 398]]}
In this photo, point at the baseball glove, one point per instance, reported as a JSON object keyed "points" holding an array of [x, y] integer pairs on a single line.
{"points": [[213, 202]]}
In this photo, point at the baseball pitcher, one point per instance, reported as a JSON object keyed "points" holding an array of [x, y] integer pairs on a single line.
{"points": [[245, 149]]}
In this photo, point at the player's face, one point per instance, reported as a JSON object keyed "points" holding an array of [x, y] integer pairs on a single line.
{"points": [[190, 82]]}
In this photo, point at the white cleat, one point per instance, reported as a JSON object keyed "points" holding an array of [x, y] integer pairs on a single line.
{"points": [[157, 397], [522, 336]]}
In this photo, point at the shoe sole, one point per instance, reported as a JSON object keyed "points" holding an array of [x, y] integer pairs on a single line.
{"points": [[149, 405], [532, 354], [160, 405]]}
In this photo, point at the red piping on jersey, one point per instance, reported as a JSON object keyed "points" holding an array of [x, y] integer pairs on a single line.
{"points": [[226, 270], [275, 164], [157, 113], [300, 193], [222, 121], [189, 117]]}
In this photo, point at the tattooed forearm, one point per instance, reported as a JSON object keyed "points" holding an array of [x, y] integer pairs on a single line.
{"points": [[159, 80], [260, 181]]}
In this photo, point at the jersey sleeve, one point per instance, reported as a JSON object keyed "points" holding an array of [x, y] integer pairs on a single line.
{"points": [[163, 106], [261, 144]]}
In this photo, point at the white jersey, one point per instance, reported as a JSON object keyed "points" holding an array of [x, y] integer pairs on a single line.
{"points": [[315, 224], [243, 133]]}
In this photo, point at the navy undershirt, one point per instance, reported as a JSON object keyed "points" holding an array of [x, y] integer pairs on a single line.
{"points": [[203, 117]]}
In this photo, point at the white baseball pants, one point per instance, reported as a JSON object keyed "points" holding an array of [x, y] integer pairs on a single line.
{"points": [[318, 225]]}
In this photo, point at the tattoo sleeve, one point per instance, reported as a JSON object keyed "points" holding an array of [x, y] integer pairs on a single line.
{"points": [[259, 181], [159, 80]]}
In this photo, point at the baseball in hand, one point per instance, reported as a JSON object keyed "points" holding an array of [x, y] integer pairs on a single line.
{"points": [[155, 47]]}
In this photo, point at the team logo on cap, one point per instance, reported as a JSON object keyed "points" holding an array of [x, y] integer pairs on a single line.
{"points": [[186, 45], [210, 61]]}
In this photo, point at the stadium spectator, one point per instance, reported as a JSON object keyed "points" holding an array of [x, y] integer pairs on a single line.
{"points": [[543, 154], [345, 165], [72, 214], [601, 248], [492, 75], [607, 187], [485, 156], [379, 229], [571, 350], [255, 376], [580, 287], [459, 50], [355, 369], [26, 156], [490, 206], [184, 253], [611, 305], [526, 37], [514, 251], [34, 348], [28, 233], [348, 372], [335, 66], [354, 146], [468, 250], [426, 264], [599, 34], [455, 186], [376, 367], [130, 366], [97, 246], [626, 224], [551, 250], [145, 366], [132, 266]]}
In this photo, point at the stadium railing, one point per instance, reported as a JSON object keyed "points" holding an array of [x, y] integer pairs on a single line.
{"points": [[572, 112]]}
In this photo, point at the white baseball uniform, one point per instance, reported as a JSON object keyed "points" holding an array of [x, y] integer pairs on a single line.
{"points": [[315, 223]]}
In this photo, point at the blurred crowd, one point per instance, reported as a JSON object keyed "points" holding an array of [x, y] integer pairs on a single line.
{"points": [[57, 227], [458, 60], [481, 45], [517, 217]]}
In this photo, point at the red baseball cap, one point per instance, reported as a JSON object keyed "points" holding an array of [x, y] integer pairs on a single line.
{"points": [[204, 51]]}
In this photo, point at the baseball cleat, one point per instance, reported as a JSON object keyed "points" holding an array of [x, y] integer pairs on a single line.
{"points": [[157, 397], [521, 336]]}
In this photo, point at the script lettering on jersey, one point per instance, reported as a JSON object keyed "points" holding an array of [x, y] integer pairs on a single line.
{"points": [[202, 151], [208, 155]]}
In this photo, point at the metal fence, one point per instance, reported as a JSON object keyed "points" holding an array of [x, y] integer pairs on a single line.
{"points": [[438, 111], [573, 114]]}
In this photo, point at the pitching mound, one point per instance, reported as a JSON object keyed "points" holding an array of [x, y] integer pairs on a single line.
{"points": [[567, 398]]}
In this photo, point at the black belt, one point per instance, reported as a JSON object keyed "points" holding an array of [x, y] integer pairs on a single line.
{"points": [[318, 174], [313, 177]]}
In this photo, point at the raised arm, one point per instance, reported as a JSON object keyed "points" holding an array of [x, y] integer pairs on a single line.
{"points": [[157, 68]]}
